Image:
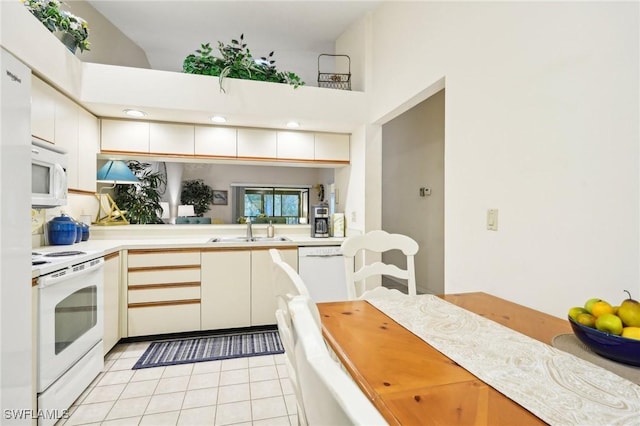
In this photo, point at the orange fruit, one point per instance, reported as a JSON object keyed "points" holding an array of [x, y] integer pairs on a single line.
{"points": [[601, 308]]}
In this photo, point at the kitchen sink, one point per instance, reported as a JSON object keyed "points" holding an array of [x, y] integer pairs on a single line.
{"points": [[248, 240]]}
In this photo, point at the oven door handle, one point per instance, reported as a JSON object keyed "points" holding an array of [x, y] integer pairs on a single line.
{"points": [[67, 273]]}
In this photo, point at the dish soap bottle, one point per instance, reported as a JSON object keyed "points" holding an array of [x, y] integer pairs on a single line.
{"points": [[270, 230]]}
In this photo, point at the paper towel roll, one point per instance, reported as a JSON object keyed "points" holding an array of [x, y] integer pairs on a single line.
{"points": [[337, 222]]}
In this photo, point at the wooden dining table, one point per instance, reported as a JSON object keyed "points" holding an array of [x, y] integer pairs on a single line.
{"points": [[409, 381]]}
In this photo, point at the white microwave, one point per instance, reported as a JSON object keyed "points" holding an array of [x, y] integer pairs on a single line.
{"points": [[48, 175]]}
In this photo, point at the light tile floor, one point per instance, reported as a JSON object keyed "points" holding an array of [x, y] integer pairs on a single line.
{"points": [[241, 391]]}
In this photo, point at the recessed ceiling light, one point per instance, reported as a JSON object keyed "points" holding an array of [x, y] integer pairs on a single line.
{"points": [[218, 119], [134, 113], [293, 124]]}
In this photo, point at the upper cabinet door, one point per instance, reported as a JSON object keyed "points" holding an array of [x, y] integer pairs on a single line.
{"points": [[166, 138], [43, 110], [332, 147], [124, 136], [257, 143], [215, 141], [66, 135], [295, 145], [88, 147]]}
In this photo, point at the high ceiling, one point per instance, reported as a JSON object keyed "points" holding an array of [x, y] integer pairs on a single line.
{"points": [[170, 30]]}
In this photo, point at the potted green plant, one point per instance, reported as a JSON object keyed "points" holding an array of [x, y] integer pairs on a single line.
{"points": [[141, 202], [197, 193], [236, 61], [72, 30]]}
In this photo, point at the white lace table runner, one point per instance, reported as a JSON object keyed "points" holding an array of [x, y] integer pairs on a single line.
{"points": [[559, 388]]}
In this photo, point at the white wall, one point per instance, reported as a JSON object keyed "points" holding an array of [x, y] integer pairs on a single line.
{"points": [[108, 45], [542, 124], [413, 157]]}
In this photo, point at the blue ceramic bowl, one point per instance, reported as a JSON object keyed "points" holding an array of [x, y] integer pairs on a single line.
{"points": [[85, 231], [78, 232], [610, 346], [61, 230]]}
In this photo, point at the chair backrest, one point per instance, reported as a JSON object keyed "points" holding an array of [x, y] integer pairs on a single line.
{"points": [[330, 396], [286, 279], [287, 285], [288, 339], [378, 241]]}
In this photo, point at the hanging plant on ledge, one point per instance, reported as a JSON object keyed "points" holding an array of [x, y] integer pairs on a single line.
{"points": [[236, 61], [72, 30]]}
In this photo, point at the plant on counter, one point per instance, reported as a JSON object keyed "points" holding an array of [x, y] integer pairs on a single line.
{"points": [[198, 194], [141, 201], [74, 29], [237, 62]]}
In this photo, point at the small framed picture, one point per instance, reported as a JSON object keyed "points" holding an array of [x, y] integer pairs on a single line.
{"points": [[220, 197]]}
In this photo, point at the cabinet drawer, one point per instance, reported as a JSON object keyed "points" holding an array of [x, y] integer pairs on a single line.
{"points": [[163, 319], [165, 293], [144, 258], [164, 276]]}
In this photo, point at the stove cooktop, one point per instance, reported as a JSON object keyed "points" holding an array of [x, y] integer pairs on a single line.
{"points": [[46, 263], [65, 253]]}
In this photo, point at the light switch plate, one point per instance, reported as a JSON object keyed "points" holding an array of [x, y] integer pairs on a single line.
{"points": [[492, 219]]}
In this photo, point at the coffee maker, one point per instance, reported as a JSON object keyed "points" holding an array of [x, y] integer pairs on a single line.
{"points": [[320, 220]]}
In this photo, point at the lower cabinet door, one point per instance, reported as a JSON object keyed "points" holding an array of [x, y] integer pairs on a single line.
{"points": [[111, 301], [146, 320], [263, 299], [225, 289]]}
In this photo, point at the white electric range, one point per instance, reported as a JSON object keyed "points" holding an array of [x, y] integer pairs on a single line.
{"points": [[70, 325]]}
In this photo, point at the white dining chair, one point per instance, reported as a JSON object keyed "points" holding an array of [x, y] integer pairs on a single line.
{"points": [[329, 394], [377, 241], [287, 285]]}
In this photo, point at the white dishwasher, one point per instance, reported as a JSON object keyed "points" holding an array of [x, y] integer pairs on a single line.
{"points": [[322, 270]]}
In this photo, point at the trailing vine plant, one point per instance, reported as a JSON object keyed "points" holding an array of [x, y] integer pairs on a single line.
{"points": [[236, 61]]}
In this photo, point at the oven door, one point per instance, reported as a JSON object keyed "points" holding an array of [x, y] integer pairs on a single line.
{"points": [[70, 317]]}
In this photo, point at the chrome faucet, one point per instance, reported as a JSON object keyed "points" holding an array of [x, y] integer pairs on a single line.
{"points": [[249, 230]]}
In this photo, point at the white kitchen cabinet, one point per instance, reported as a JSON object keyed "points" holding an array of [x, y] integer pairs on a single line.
{"points": [[169, 138], [331, 147], [295, 145], [88, 148], [111, 301], [226, 288], [215, 141], [124, 136], [257, 143], [66, 135], [263, 299], [163, 291], [43, 110], [58, 119]]}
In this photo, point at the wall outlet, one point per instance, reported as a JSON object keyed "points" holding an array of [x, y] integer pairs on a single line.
{"points": [[353, 216]]}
